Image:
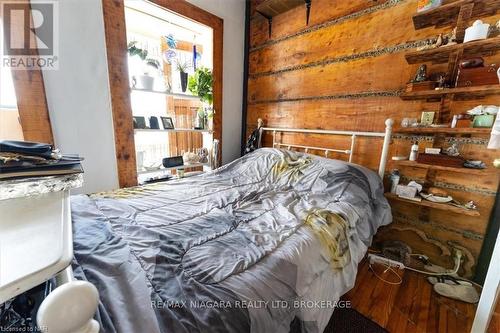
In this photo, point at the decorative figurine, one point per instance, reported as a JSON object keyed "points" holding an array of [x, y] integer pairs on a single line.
{"points": [[439, 41], [452, 38], [441, 82], [203, 154], [428, 45], [441, 79], [452, 150], [421, 74], [414, 152], [494, 30], [470, 205]]}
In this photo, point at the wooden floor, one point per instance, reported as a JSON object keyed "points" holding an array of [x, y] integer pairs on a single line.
{"points": [[411, 306]]}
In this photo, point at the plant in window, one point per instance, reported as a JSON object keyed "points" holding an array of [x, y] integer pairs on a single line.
{"points": [[201, 85], [182, 66], [145, 81], [133, 50]]}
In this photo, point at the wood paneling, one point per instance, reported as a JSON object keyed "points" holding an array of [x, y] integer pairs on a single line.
{"points": [[183, 111], [494, 326], [411, 306], [345, 71], [116, 45], [339, 40], [335, 114], [291, 22], [32, 105]]}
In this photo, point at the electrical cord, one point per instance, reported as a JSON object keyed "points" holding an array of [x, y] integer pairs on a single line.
{"points": [[390, 269], [458, 258]]}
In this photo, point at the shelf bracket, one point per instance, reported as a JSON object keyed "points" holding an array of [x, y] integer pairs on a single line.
{"points": [[308, 10], [464, 15], [269, 22]]}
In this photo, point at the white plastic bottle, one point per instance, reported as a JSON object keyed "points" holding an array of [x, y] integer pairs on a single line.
{"points": [[414, 152]]}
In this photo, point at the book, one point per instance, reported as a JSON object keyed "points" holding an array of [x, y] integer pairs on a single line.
{"points": [[22, 168], [41, 170]]}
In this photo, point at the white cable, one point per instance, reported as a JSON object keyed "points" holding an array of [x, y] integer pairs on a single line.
{"points": [[458, 257]]}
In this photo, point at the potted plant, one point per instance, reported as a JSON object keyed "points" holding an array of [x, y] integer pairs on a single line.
{"points": [[182, 67], [145, 81], [201, 85]]}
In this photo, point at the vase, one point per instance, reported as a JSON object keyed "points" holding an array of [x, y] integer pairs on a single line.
{"points": [[184, 81], [144, 82]]}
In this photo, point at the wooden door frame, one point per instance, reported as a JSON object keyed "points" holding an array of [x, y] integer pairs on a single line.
{"points": [[116, 46]]}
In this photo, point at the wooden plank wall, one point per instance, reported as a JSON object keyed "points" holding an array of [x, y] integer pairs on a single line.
{"points": [[345, 71], [183, 112]]}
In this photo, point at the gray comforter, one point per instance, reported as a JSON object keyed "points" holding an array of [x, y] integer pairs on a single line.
{"points": [[270, 237]]}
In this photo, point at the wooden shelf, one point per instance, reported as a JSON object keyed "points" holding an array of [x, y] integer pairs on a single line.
{"points": [[175, 95], [444, 130], [463, 93], [434, 205], [441, 55], [271, 8], [149, 130], [185, 166], [446, 15], [442, 168]]}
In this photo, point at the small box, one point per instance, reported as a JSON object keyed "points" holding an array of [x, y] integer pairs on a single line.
{"points": [[479, 76], [420, 86], [484, 120], [433, 151], [406, 191], [441, 159], [462, 120], [170, 162]]}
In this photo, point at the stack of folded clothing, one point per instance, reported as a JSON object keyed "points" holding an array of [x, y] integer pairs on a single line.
{"points": [[33, 159]]}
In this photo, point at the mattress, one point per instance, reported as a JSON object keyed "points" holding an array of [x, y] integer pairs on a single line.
{"points": [[270, 237]]}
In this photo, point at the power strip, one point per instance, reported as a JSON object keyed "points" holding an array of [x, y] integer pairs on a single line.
{"points": [[373, 258]]}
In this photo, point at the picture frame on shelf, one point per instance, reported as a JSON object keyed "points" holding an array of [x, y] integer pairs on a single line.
{"points": [[427, 118], [153, 122], [139, 122], [167, 122]]}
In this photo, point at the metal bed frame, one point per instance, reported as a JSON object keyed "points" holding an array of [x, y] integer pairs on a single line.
{"points": [[353, 134]]}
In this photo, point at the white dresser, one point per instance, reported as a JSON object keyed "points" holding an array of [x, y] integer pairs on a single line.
{"points": [[36, 244]]}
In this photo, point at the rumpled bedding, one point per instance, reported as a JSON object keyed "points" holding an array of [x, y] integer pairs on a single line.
{"points": [[271, 237]]}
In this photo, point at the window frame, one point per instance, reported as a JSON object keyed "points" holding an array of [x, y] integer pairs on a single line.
{"points": [[31, 98], [116, 47]]}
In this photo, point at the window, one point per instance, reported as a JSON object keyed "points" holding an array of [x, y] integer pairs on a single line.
{"points": [[10, 126], [7, 92]]}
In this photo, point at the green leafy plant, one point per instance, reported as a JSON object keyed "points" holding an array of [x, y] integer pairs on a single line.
{"points": [[134, 50], [182, 66], [153, 63], [201, 84]]}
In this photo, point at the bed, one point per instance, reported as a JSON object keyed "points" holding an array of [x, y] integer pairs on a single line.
{"points": [[274, 236]]}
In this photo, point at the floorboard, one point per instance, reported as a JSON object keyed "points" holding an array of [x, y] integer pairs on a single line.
{"points": [[412, 306]]}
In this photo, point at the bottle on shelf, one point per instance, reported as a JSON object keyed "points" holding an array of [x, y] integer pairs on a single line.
{"points": [[394, 177], [414, 152]]}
